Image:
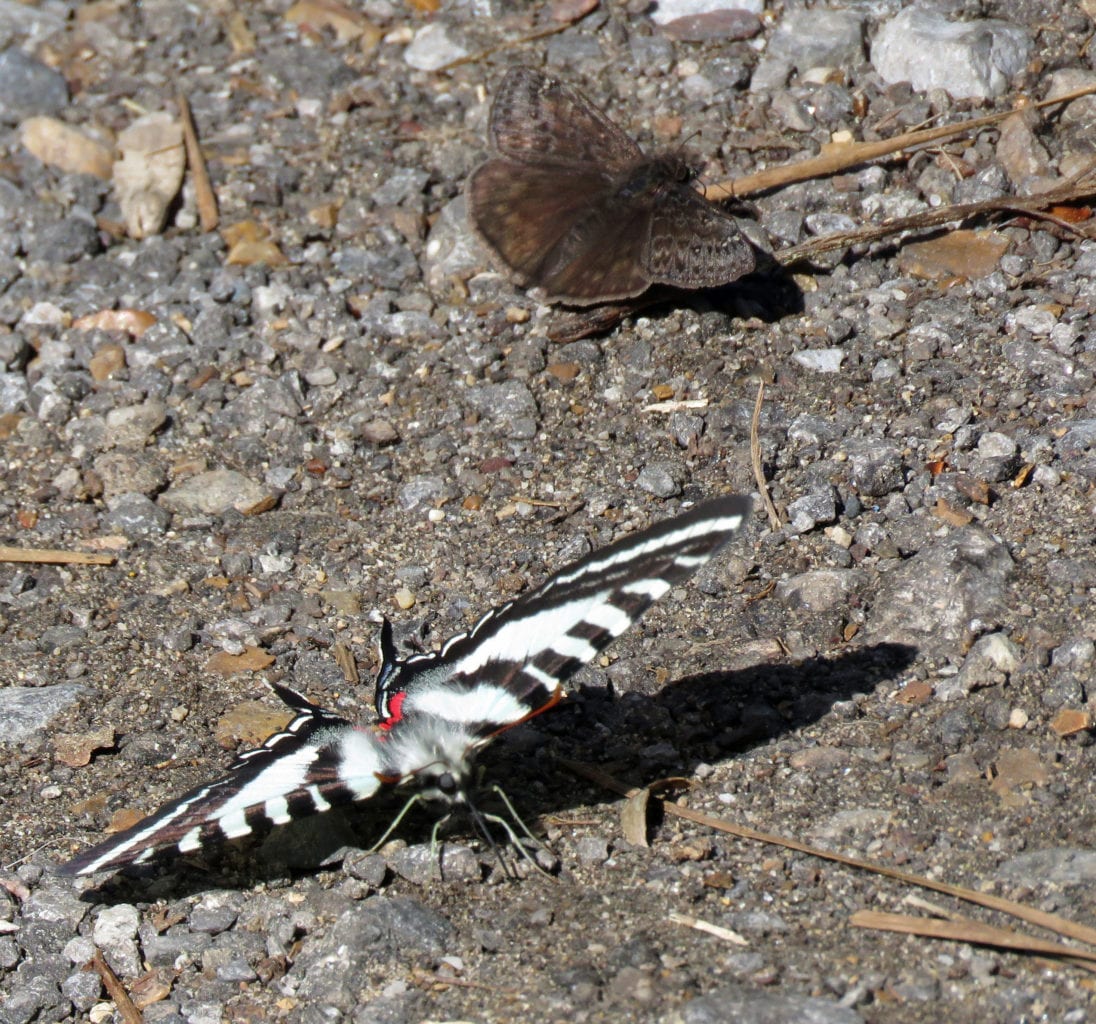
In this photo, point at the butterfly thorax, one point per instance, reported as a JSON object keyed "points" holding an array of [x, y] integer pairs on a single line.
{"points": [[432, 754], [649, 180]]}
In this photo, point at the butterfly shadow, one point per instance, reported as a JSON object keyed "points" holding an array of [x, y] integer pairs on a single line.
{"points": [[769, 294], [705, 718]]}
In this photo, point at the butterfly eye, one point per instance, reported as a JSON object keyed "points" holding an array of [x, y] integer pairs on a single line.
{"points": [[447, 784]]}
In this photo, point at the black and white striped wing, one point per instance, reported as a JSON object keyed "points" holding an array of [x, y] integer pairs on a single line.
{"points": [[512, 664], [317, 762]]}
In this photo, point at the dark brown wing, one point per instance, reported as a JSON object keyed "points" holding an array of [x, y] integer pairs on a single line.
{"points": [[523, 212], [537, 119], [601, 258], [694, 244]]}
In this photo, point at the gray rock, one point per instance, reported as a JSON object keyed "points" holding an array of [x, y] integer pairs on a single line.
{"points": [[1080, 437], [423, 492], [992, 659], [83, 989], [115, 933], [821, 360], [35, 998], [132, 426], [175, 945], [13, 392], [592, 850], [1075, 655], [950, 590], [25, 711], [807, 39], [671, 10], [733, 1004], [134, 515], [55, 903], [424, 863], [967, 59], [28, 87], [663, 479], [329, 970], [819, 590], [129, 472], [875, 466], [509, 403], [213, 492], [806, 513], [66, 241], [1057, 865], [808, 429], [434, 46]]}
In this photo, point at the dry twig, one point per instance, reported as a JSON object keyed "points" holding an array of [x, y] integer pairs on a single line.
{"points": [[52, 556], [116, 990], [755, 459], [208, 216]]}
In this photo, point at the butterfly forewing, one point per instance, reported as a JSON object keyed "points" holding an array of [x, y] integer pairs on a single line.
{"points": [[536, 119], [524, 214], [317, 762], [515, 661]]}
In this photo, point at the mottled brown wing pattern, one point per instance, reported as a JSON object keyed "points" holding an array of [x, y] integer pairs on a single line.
{"points": [[694, 244], [536, 119]]}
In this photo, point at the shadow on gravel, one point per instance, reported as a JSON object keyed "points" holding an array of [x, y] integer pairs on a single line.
{"points": [[638, 738], [704, 718]]}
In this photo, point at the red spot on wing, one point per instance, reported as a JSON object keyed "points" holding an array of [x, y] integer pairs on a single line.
{"points": [[395, 709]]}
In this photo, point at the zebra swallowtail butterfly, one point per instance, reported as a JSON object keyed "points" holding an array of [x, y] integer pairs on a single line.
{"points": [[435, 711]]}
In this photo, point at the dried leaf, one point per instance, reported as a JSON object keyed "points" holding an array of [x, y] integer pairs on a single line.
{"points": [[133, 322], [973, 488], [914, 693], [564, 372], [347, 24], [123, 818], [956, 254], [62, 146], [950, 514], [249, 723], [239, 35], [149, 988], [150, 172], [1071, 214], [253, 659], [1017, 768], [74, 749], [633, 818], [249, 243]]}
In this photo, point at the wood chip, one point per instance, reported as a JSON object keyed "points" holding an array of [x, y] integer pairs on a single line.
{"points": [[133, 322], [633, 817], [1070, 721], [249, 723]]}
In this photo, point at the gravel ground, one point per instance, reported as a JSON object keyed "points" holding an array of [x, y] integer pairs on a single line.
{"points": [[372, 423]]}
